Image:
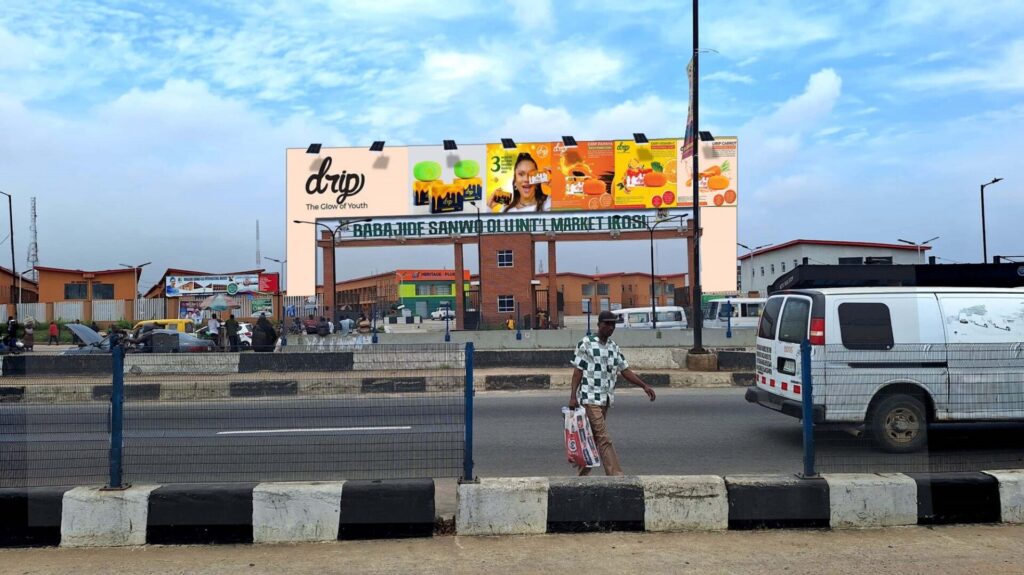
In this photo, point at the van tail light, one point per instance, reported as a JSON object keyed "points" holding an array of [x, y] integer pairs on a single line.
{"points": [[817, 331]]}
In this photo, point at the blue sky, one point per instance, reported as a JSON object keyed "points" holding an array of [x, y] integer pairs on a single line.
{"points": [[156, 131]]}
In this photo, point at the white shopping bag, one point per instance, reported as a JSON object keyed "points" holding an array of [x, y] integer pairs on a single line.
{"points": [[580, 449]]}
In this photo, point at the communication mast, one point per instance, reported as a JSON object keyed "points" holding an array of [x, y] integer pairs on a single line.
{"points": [[33, 247]]}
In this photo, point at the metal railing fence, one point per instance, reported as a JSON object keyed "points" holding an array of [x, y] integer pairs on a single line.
{"points": [[916, 408], [378, 412]]}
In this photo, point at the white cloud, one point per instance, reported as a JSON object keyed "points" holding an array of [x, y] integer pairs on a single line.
{"points": [[747, 30], [571, 68], [1003, 73], [651, 115], [728, 77], [533, 15]]}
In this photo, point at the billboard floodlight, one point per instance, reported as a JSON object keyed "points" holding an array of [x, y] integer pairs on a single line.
{"points": [[706, 136], [569, 141], [640, 138]]}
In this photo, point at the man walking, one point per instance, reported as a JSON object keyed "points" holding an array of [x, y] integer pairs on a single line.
{"points": [[213, 328], [231, 326], [598, 363]]}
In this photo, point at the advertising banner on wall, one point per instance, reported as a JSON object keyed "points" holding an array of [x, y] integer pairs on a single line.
{"points": [[177, 286]]}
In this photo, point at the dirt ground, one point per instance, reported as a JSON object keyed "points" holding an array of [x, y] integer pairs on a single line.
{"points": [[989, 549]]}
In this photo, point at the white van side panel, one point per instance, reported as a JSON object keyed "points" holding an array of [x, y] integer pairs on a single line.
{"points": [[986, 355], [853, 376]]}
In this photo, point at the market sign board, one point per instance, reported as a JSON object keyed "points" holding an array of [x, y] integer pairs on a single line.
{"points": [[177, 286], [428, 184]]}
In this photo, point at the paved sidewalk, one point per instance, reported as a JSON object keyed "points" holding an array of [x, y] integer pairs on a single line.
{"points": [[985, 549]]}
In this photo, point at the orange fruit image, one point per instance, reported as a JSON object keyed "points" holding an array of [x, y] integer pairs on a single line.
{"points": [[730, 196], [605, 200], [719, 200], [594, 204], [714, 171], [654, 180], [671, 170], [718, 182], [594, 187]]}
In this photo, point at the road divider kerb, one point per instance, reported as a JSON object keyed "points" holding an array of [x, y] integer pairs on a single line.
{"points": [[324, 511]]}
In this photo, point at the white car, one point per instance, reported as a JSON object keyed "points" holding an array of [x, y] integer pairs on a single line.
{"points": [[440, 313], [244, 334]]}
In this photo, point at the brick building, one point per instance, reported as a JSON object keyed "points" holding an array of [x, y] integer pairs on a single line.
{"points": [[28, 289], [612, 291], [421, 291], [60, 284]]}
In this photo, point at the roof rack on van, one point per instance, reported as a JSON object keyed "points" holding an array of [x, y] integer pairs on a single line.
{"points": [[933, 275]]}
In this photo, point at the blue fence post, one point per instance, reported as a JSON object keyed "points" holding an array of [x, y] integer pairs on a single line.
{"points": [[116, 417], [467, 453], [807, 397]]}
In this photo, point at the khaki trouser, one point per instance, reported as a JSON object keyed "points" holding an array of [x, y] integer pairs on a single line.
{"points": [[609, 459]]}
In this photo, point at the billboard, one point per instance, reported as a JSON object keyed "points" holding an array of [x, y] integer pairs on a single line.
{"points": [[432, 186], [177, 286]]}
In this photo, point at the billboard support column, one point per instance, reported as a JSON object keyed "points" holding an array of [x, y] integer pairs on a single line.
{"points": [[329, 271], [460, 287], [552, 287]]}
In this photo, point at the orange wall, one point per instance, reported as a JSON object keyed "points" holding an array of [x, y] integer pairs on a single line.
{"points": [[626, 290], [51, 283]]}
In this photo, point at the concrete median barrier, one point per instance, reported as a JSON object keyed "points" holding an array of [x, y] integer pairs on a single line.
{"points": [[509, 506], [92, 517], [777, 501], [871, 500], [944, 498], [685, 503], [387, 509], [1011, 494], [594, 504], [31, 517], [296, 512]]}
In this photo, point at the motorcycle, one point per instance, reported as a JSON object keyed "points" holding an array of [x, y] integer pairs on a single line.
{"points": [[7, 348]]}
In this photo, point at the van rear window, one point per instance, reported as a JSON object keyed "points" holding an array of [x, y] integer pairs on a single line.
{"points": [[766, 328], [793, 328], [865, 326]]}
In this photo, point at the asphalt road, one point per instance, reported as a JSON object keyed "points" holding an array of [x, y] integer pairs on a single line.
{"points": [[686, 431]]}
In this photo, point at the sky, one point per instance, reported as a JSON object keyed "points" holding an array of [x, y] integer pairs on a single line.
{"points": [[155, 131]]}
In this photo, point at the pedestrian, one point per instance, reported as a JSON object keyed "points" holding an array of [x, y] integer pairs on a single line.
{"points": [[346, 325], [30, 338], [93, 326], [54, 334], [264, 336], [597, 365], [74, 337], [510, 323], [12, 331], [213, 329], [322, 329], [231, 326]]}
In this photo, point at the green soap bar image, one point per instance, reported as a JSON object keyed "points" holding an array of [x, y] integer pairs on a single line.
{"points": [[426, 171], [466, 169]]}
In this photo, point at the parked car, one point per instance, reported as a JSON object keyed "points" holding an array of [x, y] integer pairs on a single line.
{"points": [[894, 360], [244, 334], [746, 311], [441, 313], [182, 325], [159, 341], [669, 317]]}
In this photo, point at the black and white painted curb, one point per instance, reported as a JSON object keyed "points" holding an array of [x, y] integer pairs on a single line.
{"points": [[216, 513], [326, 511], [707, 502]]}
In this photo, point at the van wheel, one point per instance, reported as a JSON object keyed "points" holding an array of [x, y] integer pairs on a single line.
{"points": [[899, 424]]}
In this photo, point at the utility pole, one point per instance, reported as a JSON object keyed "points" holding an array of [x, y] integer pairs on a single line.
{"points": [[695, 313]]}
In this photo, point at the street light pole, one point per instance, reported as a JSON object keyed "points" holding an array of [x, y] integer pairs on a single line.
{"points": [[334, 270], [654, 300], [751, 251], [920, 254], [698, 334], [14, 271], [135, 286], [984, 239]]}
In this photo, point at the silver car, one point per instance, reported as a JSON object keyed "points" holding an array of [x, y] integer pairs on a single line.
{"points": [[157, 341]]}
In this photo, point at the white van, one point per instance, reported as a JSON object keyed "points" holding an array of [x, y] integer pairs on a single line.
{"points": [[895, 359], [746, 311], [669, 317]]}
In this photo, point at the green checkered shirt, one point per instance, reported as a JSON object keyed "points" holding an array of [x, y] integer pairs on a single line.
{"points": [[600, 365]]}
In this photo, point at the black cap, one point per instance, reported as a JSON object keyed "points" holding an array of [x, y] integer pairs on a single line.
{"points": [[607, 316]]}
